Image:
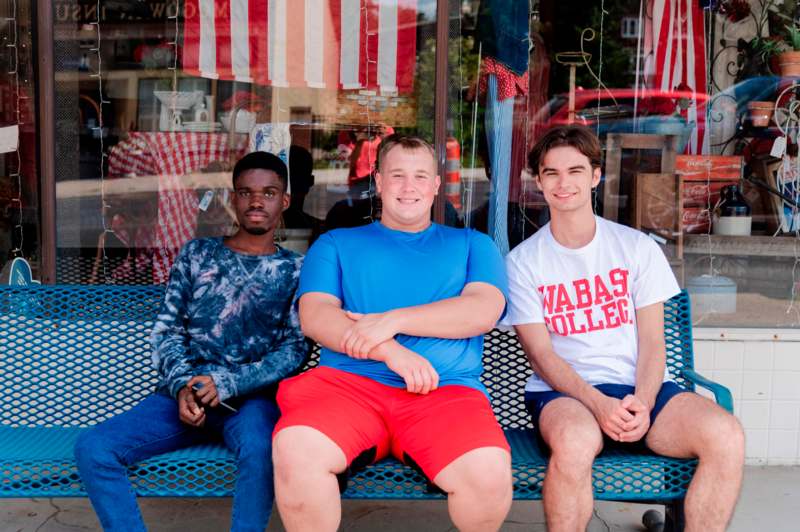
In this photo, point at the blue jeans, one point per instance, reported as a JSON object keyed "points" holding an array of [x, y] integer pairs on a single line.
{"points": [[153, 427]]}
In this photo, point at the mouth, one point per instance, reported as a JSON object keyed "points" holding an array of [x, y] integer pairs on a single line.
{"points": [[256, 216], [564, 195], [407, 201]]}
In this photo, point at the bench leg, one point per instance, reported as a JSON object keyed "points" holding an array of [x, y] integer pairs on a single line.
{"points": [[675, 520], [671, 521]]}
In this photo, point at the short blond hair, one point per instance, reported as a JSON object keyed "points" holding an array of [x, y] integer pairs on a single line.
{"points": [[407, 142]]}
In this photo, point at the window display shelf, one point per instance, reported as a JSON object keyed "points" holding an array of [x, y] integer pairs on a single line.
{"points": [[756, 245]]}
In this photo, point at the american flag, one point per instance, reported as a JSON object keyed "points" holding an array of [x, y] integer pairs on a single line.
{"points": [[333, 44], [677, 60]]}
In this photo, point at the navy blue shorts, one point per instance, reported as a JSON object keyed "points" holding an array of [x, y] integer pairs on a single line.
{"points": [[536, 401]]}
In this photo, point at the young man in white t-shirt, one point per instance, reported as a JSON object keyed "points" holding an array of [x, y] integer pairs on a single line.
{"points": [[586, 299]]}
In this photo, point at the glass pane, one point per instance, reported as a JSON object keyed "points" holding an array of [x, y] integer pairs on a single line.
{"points": [[19, 186], [686, 123], [156, 101]]}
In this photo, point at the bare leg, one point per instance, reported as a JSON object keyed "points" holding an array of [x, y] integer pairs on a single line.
{"points": [[479, 490], [691, 426], [306, 462], [575, 439]]}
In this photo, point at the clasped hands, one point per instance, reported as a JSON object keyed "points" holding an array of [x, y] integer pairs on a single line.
{"points": [[191, 403], [623, 420], [372, 336]]}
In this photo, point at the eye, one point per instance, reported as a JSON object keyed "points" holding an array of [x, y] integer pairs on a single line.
{"points": [[270, 193], [243, 193]]}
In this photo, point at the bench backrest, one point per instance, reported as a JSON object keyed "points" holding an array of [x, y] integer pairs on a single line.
{"points": [[76, 355]]}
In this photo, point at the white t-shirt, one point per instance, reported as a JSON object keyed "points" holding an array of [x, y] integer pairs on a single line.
{"points": [[587, 297]]}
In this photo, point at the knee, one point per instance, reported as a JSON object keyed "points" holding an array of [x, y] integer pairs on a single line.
{"points": [[285, 456], [723, 438], [91, 451], [490, 485], [574, 448], [296, 453], [255, 451]]}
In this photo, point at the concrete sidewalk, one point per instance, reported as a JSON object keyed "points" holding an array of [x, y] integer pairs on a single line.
{"points": [[769, 502]]}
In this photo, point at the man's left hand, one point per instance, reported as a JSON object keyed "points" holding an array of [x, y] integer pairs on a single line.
{"points": [[367, 332], [636, 428], [207, 394]]}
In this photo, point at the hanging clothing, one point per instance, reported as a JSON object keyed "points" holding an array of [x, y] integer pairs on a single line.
{"points": [[499, 132], [503, 32]]}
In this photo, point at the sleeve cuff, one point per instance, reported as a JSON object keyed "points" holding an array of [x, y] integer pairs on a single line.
{"points": [[226, 387]]}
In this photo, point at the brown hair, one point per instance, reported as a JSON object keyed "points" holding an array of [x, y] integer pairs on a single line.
{"points": [[407, 142], [579, 137]]}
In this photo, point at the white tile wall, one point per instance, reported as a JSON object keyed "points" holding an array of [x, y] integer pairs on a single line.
{"points": [[763, 375], [787, 356], [784, 415], [786, 385], [782, 445], [755, 414]]}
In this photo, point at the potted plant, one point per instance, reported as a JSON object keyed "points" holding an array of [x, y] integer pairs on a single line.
{"points": [[760, 113], [789, 60]]}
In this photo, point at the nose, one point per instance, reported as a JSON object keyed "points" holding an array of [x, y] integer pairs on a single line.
{"points": [[256, 199]]}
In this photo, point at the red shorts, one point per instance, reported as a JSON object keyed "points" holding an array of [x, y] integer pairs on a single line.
{"points": [[368, 419]]}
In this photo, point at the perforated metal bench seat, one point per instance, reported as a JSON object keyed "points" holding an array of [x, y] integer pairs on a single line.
{"points": [[73, 356], [38, 462]]}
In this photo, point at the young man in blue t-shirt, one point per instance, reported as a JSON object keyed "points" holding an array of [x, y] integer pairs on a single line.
{"points": [[399, 307], [227, 332]]}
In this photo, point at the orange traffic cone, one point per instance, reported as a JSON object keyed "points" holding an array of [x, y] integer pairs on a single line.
{"points": [[452, 181]]}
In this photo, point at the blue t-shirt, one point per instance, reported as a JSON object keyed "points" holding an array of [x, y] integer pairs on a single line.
{"points": [[377, 269]]}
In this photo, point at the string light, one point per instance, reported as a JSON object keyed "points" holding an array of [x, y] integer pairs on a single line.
{"points": [[99, 131], [17, 248]]}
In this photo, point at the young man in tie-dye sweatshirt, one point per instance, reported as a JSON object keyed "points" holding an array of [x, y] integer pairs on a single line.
{"points": [[226, 334]]}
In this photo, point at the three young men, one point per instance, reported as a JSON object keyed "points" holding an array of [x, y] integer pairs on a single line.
{"points": [[226, 332], [394, 306], [586, 298]]}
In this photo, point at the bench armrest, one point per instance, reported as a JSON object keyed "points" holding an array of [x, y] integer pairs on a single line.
{"points": [[721, 394]]}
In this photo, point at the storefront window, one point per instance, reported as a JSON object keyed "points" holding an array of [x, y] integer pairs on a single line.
{"points": [[155, 102], [681, 95], [19, 192]]}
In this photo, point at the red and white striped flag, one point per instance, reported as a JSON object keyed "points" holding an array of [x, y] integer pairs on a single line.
{"points": [[333, 44], [678, 59]]}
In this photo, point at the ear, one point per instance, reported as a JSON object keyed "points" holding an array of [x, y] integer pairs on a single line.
{"points": [[378, 182], [537, 182], [437, 182], [287, 199], [596, 177]]}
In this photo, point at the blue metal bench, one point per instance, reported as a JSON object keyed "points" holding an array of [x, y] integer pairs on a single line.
{"points": [[72, 356]]}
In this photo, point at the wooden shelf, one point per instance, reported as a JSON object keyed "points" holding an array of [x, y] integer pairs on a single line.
{"points": [[757, 245]]}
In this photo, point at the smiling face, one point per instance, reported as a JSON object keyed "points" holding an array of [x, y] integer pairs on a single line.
{"points": [[407, 183], [566, 178], [259, 199]]}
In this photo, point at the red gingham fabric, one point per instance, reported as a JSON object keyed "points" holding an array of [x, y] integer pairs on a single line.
{"points": [[170, 155], [509, 84]]}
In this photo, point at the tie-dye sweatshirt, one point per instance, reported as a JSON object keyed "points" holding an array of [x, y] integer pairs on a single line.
{"points": [[230, 316]]}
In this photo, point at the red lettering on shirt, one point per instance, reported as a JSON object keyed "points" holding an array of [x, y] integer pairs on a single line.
{"points": [[611, 315], [599, 326], [562, 300], [622, 306], [619, 280], [559, 324], [548, 298], [603, 300], [583, 293], [572, 328], [601, 293]]}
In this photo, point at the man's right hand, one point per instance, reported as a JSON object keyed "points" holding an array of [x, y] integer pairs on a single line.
{"points": [[416, 371], [189, 411], [611, 416]]}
